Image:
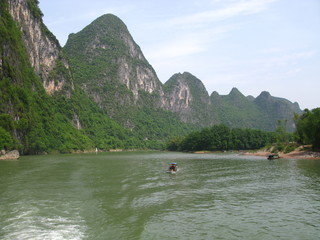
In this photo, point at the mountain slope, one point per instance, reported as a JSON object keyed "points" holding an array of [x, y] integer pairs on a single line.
{"points": [[236, 110], [44, 51], [110, 66], [263, 112], [277, 109], [27, 112], [189, 98]]}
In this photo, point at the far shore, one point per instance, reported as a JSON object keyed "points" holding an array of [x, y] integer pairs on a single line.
{"points": [[302, 152], [296, 154]]}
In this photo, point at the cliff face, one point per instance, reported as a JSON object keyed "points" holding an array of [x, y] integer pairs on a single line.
{"points": [[43, 48], [179, 94], [188, 97]]}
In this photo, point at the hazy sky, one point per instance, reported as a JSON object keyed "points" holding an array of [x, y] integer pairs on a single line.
{"points": [[254, 45]]}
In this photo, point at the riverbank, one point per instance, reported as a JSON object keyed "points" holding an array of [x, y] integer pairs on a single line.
{"points": [[301, 152]]}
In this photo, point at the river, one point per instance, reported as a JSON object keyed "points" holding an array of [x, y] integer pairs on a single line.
{"points": [[129, 195]]}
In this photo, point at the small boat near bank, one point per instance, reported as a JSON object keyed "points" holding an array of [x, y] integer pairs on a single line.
{"points": [[273, 156]]}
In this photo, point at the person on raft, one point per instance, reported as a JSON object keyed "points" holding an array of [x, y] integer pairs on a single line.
{"points": [[173, 167]]}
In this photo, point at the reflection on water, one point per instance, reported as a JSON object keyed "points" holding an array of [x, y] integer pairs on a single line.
{"points": [[130, 196]]}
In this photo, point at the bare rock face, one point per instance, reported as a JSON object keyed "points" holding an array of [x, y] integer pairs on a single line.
{"points": [[43, 48], [180, 96], [188, 97], [12, 155], [138, 78]]}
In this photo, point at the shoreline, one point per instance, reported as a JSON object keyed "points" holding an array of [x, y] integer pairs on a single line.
{"points": [[302, 152], [296, 154]]}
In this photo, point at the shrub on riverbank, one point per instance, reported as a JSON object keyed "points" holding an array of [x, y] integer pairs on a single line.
{"points": [[283, 147]]}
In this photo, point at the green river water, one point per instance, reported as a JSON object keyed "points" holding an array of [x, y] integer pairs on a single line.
{"points": [[129, 195]]}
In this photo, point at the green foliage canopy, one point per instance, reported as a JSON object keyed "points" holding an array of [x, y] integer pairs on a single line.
{"points": [[221, 137], [308, 127]]}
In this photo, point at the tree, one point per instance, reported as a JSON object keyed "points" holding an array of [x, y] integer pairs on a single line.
{"points": [[6, 141], [282, 135], [308, 127]]}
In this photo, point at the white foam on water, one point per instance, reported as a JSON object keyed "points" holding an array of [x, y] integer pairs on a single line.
{"points": [[26, 224]]}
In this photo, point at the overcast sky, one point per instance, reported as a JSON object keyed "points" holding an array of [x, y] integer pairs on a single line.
{"points": [[253, 45]]}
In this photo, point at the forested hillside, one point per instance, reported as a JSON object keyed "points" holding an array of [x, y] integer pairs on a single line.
{"points": [[188, 97], [35, 122]]}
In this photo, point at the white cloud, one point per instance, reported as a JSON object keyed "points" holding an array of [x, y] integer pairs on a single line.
{"points": [[185, 44], [195, 33], [176, 49], [235, 9], [285, 59]]}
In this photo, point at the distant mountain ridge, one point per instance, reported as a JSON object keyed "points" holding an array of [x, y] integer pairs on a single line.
{"points": [[108, 41], [99, 91], [234, 109]]}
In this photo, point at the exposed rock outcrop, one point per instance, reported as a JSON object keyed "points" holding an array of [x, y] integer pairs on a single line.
{"points": [[12, 155], [188, 97], [43, 48]]}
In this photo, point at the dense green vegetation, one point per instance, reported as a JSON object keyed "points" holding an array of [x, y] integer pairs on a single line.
{"points": [[221, 137], [19, 119], [236, 110], [282, 140], [308, 127], [34, 9], [34, 122]]}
